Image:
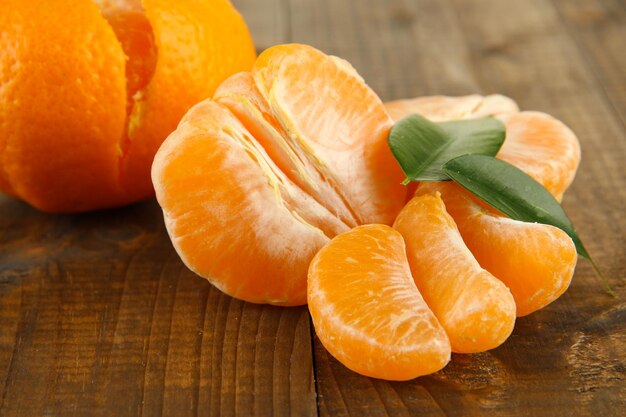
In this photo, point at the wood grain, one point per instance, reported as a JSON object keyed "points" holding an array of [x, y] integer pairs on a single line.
{"points": [[599, 29], [99, 317]]}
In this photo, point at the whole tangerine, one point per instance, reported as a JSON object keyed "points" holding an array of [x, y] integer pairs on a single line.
{"points": [[89, 90]]}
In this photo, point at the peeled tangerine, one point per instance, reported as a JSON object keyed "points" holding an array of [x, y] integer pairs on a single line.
{"points": [[283, 158], [286, 171], [90, 89], [535, 261]]}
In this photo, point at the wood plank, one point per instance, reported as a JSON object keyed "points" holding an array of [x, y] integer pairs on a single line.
{"points": [[401, 48], [571, 352], [100, 317], [599, 28]]}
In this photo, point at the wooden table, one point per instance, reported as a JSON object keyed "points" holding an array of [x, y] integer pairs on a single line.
{"points": [[98, 316]]}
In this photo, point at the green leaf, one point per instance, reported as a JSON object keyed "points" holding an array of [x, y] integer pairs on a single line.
{"points": [[421, 147], [514, 193]]}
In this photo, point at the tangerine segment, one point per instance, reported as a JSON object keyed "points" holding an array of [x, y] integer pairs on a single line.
{"points": [[335, 121], [543, 147], [367, 311], [233, 217], [535, 261], [475, 308], [443, 108], [62, 104]]}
